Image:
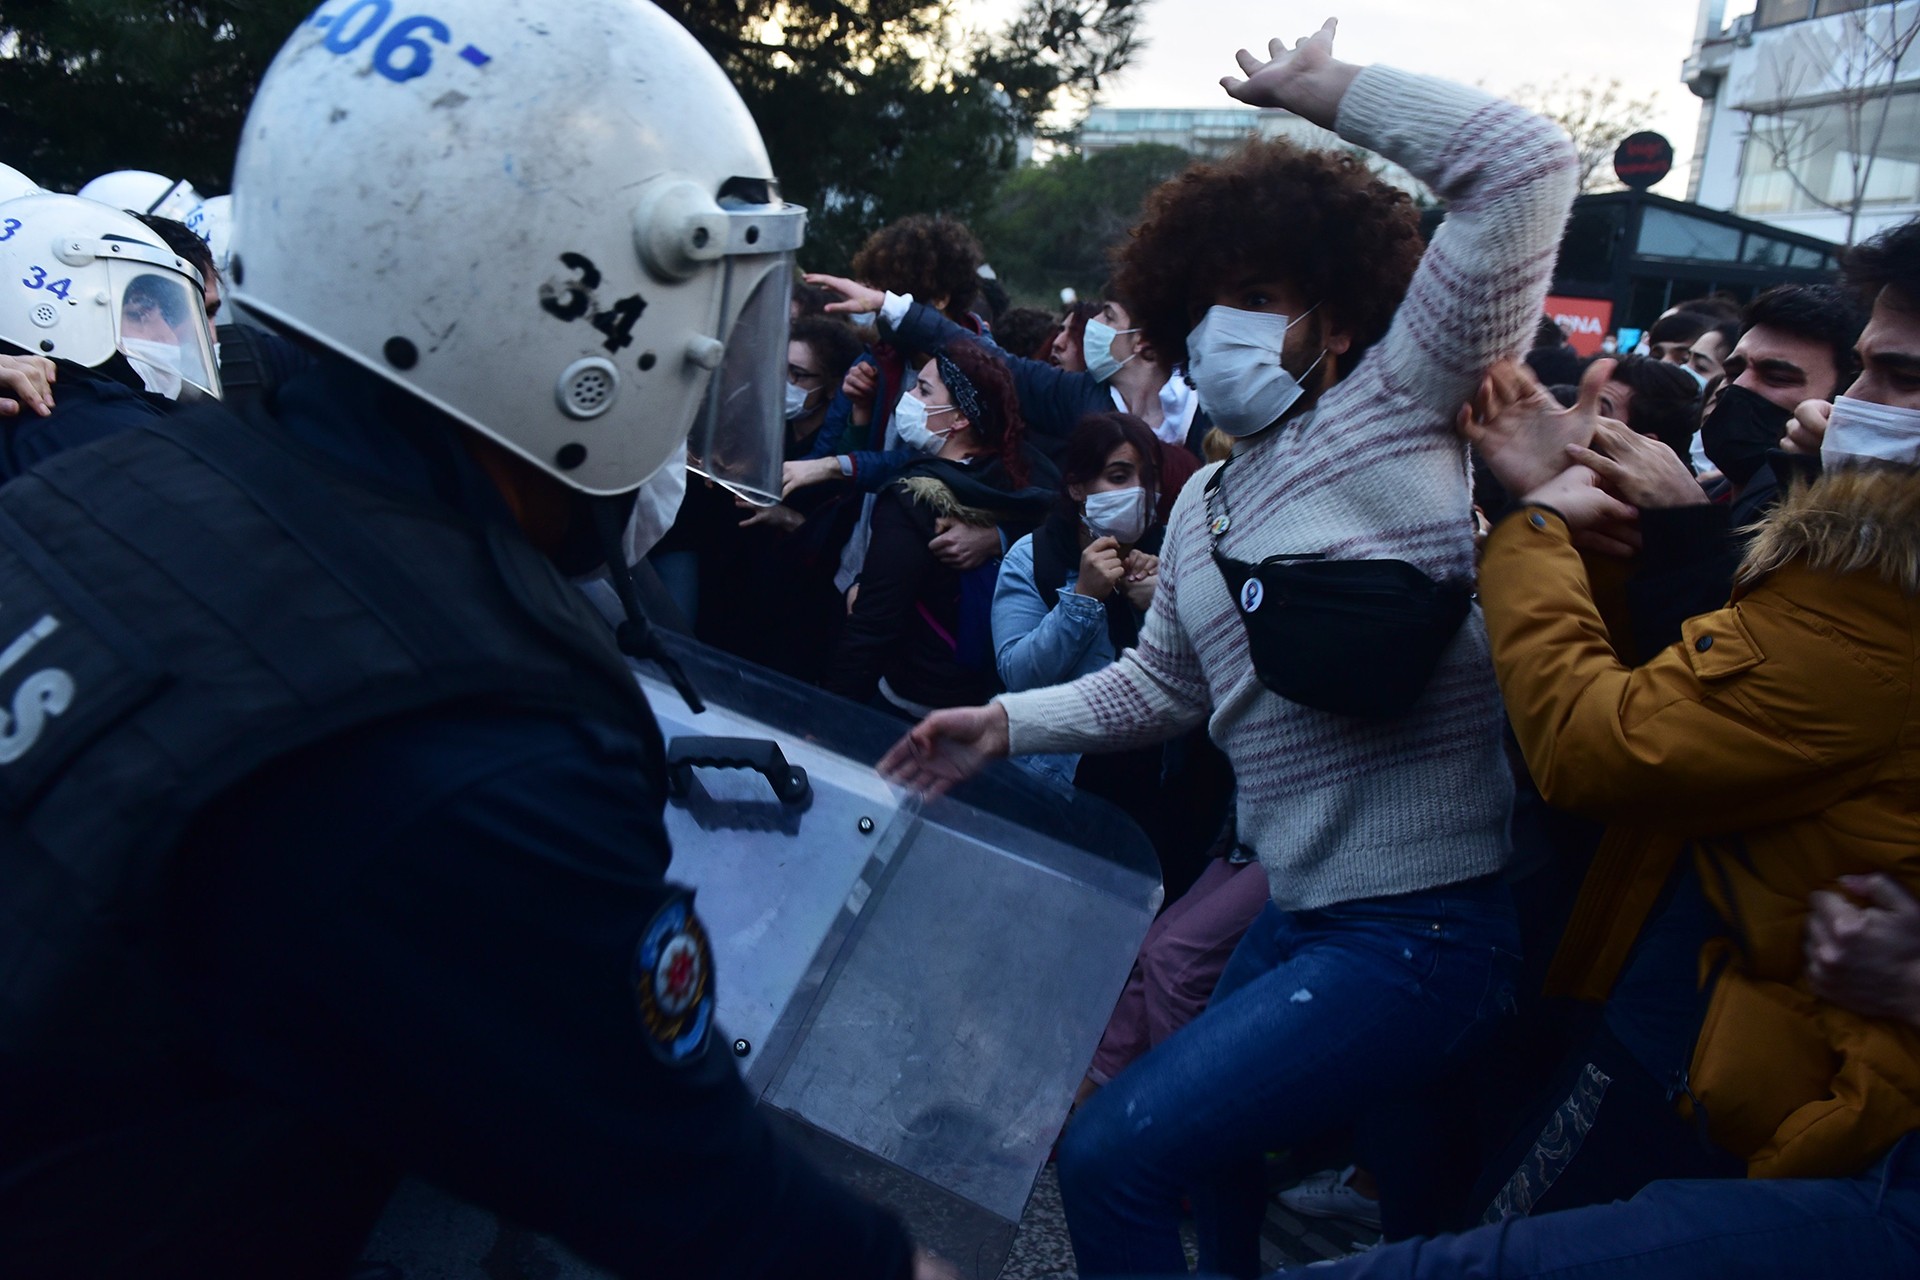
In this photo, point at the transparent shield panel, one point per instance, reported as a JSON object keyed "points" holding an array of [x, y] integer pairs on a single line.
{"points": [[161, 326], [739, 439], [924, 985]]}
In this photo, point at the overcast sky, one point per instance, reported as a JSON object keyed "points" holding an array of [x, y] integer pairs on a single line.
{"points": [[1498, 43]]}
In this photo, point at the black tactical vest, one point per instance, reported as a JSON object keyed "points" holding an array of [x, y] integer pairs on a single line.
{"points": [[181, 605]]}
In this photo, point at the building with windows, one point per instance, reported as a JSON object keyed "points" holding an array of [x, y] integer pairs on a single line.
{"points": [[1212, 132], [1810, 114], [1627, 256]]}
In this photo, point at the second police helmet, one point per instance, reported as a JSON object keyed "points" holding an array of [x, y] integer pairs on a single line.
{"points": [[80, 281]]}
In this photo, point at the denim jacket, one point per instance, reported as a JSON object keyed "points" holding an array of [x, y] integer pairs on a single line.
{"points": [[1035, 646]]}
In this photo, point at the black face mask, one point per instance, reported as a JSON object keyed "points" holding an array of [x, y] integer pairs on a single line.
{"points": [[1740, 431]]}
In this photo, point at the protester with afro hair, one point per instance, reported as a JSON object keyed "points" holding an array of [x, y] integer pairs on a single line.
{"points": [[1293, 286]]}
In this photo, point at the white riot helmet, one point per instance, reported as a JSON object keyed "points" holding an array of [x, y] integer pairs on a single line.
{"points": [[80, 281], [559, 226], [14, 184], [212, 221], [143, 192]]}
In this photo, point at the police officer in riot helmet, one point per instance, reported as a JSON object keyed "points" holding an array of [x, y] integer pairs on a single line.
{"points": [[330, 815], [101, 305]]}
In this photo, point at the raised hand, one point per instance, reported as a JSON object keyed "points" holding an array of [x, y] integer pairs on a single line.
{"points": [[1863, 948], [802, 472], [26, 381], [1100, 569], [779, 517], [1306, 79], [947, 748], [860, 387], [1807, 431], [1637, 470], [1143, 575], [963, 547], [1521, 432], [1598, 520], [856, 298]]}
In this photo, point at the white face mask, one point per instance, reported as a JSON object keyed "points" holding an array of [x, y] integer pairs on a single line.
{"points": [[1697, 376], [796, 402], [1120, 514], [655, 506], [1233, 357], [910, 418], [1862, 431], [864, 319], [1098, 348], [157, 363]]}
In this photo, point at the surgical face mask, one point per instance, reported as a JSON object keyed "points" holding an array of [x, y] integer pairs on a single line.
{"points": [[864, 319], [796, 402], [1120, 514], [655, 506], [1697, 376], [910, 417], [1862, 431], [157, 363], [1233, 357], [1097, 345], [1742, 428]]}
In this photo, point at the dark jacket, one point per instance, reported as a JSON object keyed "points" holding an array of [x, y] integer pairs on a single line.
{"points": [[88, 405], [923, 627], [410, 944], [873, 468], [1689, 555]]}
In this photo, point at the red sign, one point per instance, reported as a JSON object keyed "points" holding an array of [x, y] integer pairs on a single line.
{"points": [[1642, 159], [1584, 320]]}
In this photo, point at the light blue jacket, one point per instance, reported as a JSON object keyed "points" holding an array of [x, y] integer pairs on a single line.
{"points": [[1035, 646]]}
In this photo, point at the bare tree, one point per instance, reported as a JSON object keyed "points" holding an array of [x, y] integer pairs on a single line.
{"points": [[1847, 66], [1595, 115]]}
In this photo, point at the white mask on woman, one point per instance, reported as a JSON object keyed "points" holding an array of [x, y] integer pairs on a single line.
{"points": [[796, 402], [1120, 514], [1233, 357], [910, 417]]}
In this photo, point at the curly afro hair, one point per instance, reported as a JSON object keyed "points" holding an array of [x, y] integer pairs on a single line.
{"points": [[930, 256], [1319, 221]]}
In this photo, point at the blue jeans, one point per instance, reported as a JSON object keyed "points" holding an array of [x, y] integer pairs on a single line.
{"points": [[1318, 1015], [1864, 1228]]}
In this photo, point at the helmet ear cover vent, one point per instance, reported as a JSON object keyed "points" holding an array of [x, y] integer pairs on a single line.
{"points": [[45, 315], [588, 388]]}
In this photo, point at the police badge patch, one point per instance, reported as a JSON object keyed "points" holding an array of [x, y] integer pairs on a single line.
{"points": [[673, 982]]}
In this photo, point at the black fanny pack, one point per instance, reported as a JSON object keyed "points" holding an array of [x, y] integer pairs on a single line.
{"points": [[1354, 637]]}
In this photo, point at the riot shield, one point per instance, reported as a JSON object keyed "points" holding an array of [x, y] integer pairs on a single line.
{"points": [[912, 991], [916, 989]]}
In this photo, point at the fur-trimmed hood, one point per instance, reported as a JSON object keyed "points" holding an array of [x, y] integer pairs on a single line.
{"points": [[1855, 519], [934, 494], [980, 493]]}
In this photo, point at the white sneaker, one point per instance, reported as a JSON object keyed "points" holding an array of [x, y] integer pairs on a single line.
{"points": [[1330, 1194]]}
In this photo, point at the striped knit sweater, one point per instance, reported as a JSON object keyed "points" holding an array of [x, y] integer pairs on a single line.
{"points": [[1343, 809]]}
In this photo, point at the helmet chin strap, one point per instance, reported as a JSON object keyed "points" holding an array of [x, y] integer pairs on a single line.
{"points": [[636, 636]]}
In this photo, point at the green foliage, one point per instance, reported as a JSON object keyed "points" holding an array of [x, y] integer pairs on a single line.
{"points": [[871, 109], [88, 86], [1053, 225]]}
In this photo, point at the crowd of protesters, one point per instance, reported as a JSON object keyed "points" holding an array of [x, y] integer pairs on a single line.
{"points": [[1531, 743]]}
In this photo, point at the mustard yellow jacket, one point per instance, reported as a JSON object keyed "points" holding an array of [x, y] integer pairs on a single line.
{"points": [[1779, 741]]}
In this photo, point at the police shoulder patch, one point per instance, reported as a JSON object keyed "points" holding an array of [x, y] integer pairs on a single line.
{"points": [[673, 982]]}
